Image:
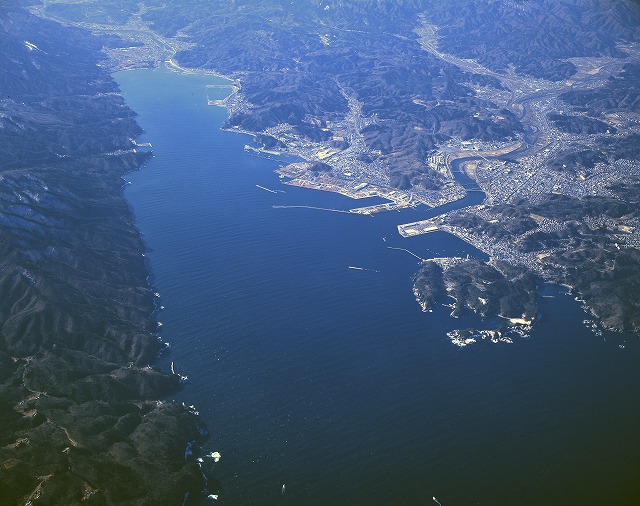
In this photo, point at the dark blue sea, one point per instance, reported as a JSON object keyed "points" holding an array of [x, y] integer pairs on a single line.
{"points": [[332, 381]]}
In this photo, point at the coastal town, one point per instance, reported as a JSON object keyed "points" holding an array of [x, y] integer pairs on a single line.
{"points": [[525, 168]]}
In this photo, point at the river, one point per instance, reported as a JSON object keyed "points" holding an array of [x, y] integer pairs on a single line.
{"points": [[331, 380]]}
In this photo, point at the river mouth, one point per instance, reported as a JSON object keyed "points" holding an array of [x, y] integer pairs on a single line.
{"points": [[331, 380]]}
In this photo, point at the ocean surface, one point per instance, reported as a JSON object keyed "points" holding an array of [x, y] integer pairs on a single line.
{"points": [[332, 381]]}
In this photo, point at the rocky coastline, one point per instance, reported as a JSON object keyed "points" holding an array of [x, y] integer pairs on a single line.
{"points": [[82, 407]]}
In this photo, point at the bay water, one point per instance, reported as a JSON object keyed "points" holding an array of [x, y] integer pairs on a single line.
{"points": [[331, 381]]}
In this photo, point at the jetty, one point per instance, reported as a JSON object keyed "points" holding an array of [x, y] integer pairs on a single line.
{"points": [[407, 251]]}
